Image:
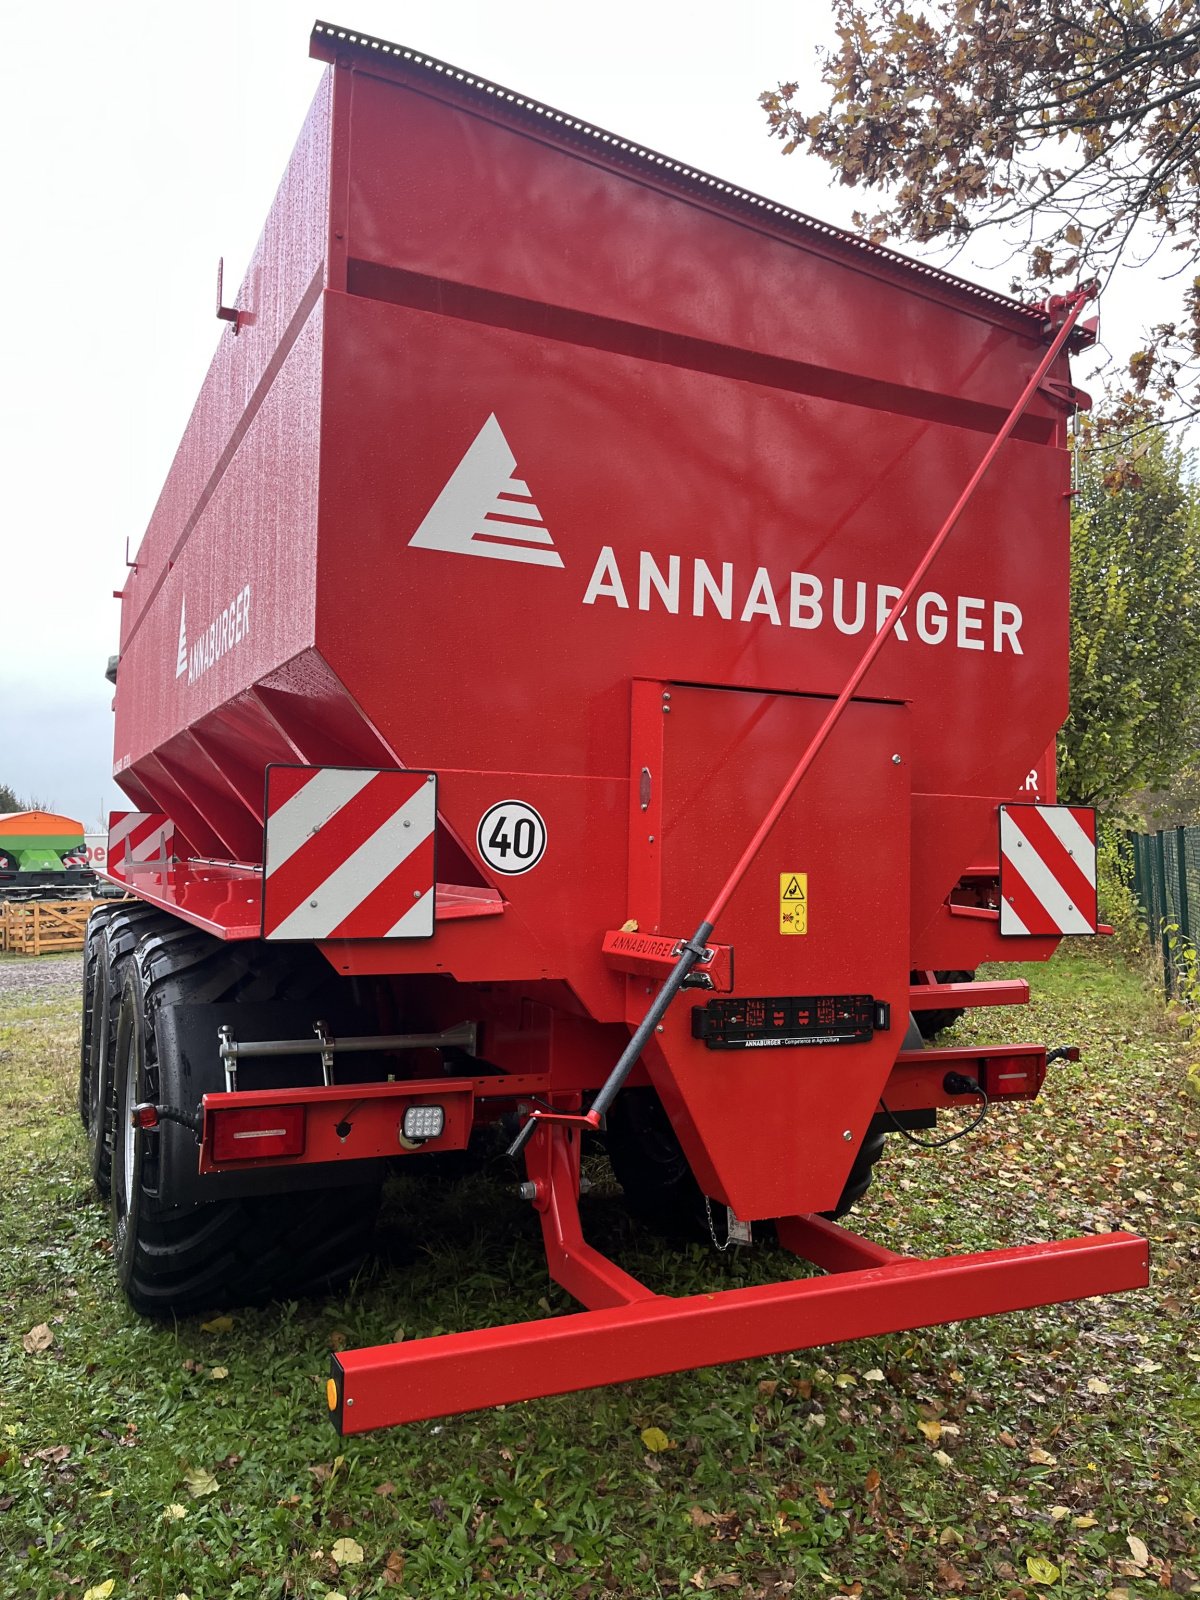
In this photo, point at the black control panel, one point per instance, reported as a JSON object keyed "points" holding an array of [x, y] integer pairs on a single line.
{"points": [[790, 1021]]}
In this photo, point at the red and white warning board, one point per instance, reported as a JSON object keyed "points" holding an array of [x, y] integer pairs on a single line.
{"points": [[349, 853], [139, 839], [1047, 869]]}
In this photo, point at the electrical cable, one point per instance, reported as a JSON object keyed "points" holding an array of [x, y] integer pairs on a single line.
{"points": [[938, 1144]]}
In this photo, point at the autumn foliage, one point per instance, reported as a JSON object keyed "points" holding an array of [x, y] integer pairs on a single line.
{"points": [[1069, 127]]}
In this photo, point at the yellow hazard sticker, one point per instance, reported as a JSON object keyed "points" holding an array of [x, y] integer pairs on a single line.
{"points": [[793, 902]]}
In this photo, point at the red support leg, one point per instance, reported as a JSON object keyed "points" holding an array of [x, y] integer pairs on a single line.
{"points": [[552, 1162]]}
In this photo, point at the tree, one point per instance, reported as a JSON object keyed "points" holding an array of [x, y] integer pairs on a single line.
{"points": [[1070, 127], [9, 801], [1135, 620]]}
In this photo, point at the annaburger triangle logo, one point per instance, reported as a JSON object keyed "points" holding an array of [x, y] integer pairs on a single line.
{"points": [[485, 511]]}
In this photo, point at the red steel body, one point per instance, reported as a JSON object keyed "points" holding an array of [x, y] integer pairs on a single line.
{"points": [[580, 480]]}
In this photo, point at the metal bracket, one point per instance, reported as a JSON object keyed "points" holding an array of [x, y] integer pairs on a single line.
{"points": [[463, 1037], [226, 313], [328, 1045]]}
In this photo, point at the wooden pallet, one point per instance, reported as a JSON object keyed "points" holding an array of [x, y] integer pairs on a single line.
{"points": [[41, 927]]}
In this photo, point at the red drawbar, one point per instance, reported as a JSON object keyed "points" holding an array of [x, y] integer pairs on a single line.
{"points": [[630, 1332]]}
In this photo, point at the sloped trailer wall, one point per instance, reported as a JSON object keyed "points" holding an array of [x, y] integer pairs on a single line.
{"points": [[574, 478]]}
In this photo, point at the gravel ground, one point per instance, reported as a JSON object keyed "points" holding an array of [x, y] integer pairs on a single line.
{"points": [[30, 976]]}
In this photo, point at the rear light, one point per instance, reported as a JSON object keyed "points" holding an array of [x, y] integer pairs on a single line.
{"points": [[253, 1133], [1011, 1075], [144, 1115]]}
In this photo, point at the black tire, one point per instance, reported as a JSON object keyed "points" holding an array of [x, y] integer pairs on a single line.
{"points": [[649, 1164], [931, 1023], [117, 938], [185, 1258], [660, 1191], [93, 950]]}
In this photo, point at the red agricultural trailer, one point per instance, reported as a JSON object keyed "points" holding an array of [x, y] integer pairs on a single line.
{"points": [[588, 672]]}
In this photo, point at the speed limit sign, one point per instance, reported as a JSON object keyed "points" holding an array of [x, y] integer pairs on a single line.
{"points": [[511, 837]]}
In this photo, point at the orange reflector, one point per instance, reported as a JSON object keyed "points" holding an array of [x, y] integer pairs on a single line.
{"points": [[331, 1394], [251, 1133]]}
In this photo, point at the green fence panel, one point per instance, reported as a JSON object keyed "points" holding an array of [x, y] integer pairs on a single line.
{"points": [[1166, 880]]}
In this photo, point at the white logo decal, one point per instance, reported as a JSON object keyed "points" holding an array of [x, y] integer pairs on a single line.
{"points": [[227, 629], [511, 837], [485, 511]]}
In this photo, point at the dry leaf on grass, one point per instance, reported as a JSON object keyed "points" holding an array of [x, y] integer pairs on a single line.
{"points": [[1041, 1570], [1138, 1550], [37, 1339], [200, 1482]]}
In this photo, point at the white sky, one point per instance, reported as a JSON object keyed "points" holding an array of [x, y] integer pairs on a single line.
{"points": [[143, 141]]}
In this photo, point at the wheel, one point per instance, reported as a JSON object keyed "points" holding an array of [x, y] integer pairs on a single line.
{"points": [[190, 1257], [93, 946], [649, 1164], [931, 1023], [116, 939]]}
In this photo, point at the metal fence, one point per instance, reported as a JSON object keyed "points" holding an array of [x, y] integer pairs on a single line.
{"points": [[1166, 879]]}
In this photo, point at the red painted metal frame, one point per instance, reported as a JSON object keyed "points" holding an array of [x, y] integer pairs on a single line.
{"points": [[370, 1113], [630, 1332], [1007, 1072], [373, 1113], [225, 897], [993, 992]]}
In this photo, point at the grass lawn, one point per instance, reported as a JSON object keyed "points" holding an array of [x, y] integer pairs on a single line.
{"points": [[1048, 1453]]}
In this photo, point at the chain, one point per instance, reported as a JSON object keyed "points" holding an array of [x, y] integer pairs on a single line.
{"points": [[712, 1228]]}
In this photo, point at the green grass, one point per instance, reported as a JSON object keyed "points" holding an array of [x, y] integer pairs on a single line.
{"points": [[1065, 1434]]}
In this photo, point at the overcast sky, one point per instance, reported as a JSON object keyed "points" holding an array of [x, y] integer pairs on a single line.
{"points": [[143, 141]]}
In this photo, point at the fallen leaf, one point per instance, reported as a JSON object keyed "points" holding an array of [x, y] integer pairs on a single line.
{"points": [[824, 1497], [1008, 1440], [100, 1591], [655, 1440], [54, 1454], [931, 1430], [385, 1488], [871, 1482], [1084, 1522], [36, 1340], [874, 1376], [701, 1518], [200, 1482], [949, 1536], [845, 1380], [217, 1325], [1059, 1512], [942, 1459], [1098, 1386], [347, 1552], [1042, 1458], [174, 1513], [768, 1386], [1137, 1549], [393, 1567], [1041, 1570], [219, 1372], [950, 1577]]}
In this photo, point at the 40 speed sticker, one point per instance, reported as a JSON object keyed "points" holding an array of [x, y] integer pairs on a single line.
{"points": [[511, 837]]}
